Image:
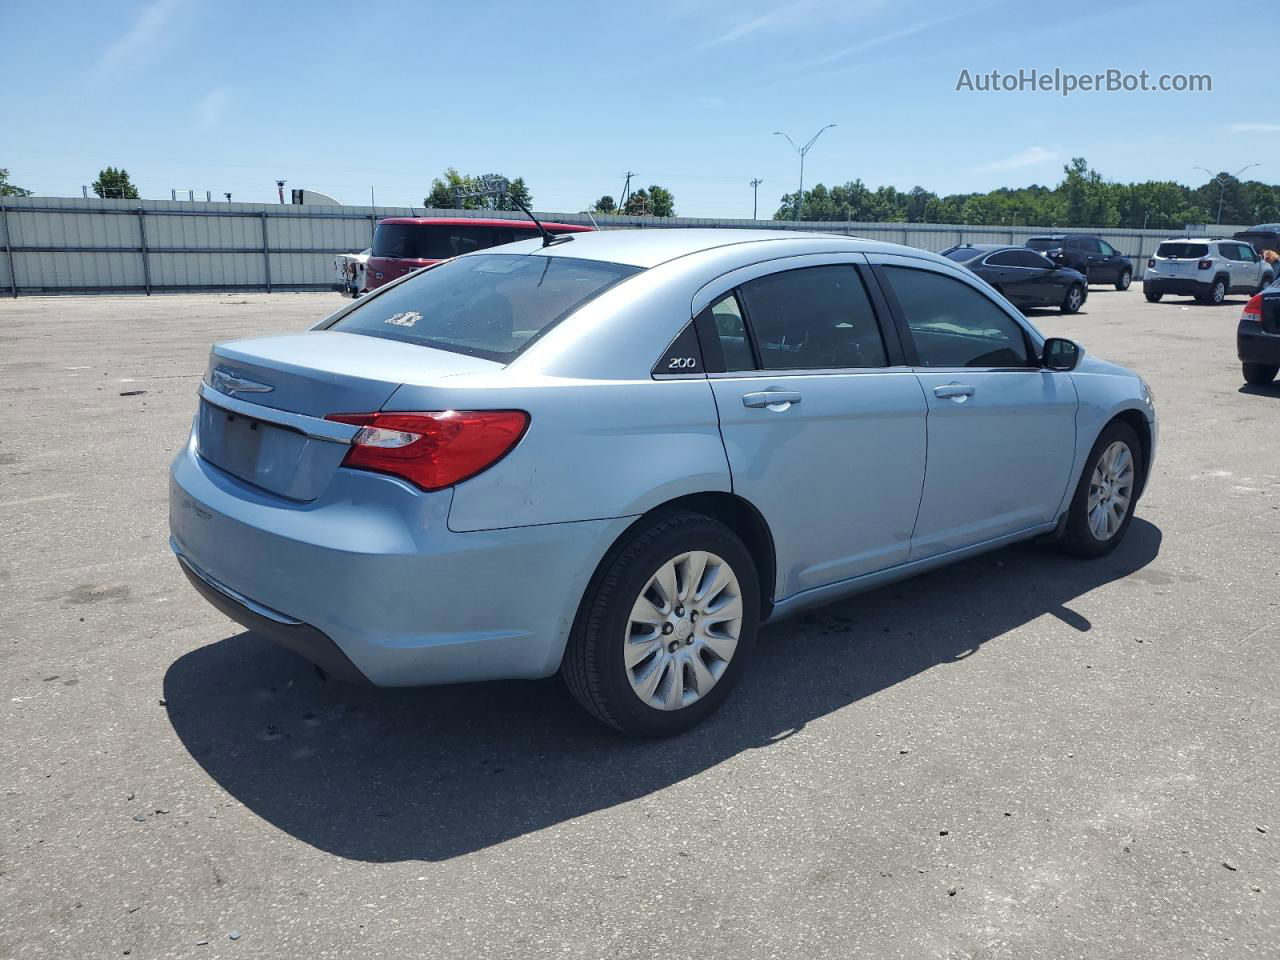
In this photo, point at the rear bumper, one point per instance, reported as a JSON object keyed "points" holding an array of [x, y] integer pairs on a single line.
{"points": [[287, 632], [1255, 345], [369, 575], [1177, 287]]}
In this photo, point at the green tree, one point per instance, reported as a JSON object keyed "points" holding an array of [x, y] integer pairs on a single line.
{"points": [[115, 184], [662, 203], [605, 204], [444, 192], [8, 189], [638, 204]]}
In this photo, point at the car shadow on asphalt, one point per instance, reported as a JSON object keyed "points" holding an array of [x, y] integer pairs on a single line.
{"points": [[434, 773], [1261, 390]]}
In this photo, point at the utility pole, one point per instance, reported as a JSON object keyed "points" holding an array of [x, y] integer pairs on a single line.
{"points": [[626, 192], [280, 187], [1222, 184], [802, 151], [755, 195]]}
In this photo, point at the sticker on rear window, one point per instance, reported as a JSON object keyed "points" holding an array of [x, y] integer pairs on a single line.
{"points": [[406, 319]]}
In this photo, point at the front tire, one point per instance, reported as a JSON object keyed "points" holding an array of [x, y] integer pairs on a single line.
{"points": [[1259, 374], [1126, 278], [666, 628], [1153, 297], [1102, 507], [1074, 299]]}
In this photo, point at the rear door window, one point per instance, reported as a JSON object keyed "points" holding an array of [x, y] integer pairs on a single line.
{"points": [[814, 318], [953, 325], [491, 305]]}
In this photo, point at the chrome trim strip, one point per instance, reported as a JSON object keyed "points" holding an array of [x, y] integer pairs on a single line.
{"points": [[310, 426], [235, 595]]}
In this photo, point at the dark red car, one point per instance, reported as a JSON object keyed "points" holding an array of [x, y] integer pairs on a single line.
{"points": [[403, 244]]}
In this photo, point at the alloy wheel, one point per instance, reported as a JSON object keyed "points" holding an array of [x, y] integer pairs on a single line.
{"points": [[683, 630], [1110, 490]]}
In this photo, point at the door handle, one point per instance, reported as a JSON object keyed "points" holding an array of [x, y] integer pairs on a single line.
{"points": [[953, 391], [770, 398]]}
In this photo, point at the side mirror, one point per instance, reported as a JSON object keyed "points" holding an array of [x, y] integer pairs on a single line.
{"points": [[1061, 354]]}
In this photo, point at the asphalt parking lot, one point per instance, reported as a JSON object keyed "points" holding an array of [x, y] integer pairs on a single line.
{"points": [[1024, 756]]}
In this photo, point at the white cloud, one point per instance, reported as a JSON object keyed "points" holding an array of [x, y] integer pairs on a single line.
{"points": [[740, 30], [147, 31], [918, 27], [211, 109], [1030, 157], [1255, 128], [711, 103]]}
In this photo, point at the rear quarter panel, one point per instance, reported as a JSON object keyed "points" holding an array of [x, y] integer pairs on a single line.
{"points": [[594, 448]]}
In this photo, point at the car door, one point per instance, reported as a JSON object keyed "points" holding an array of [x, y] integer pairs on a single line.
{"points": [[1111, 262], [1249, 273], [1095, 264], [1005, 272], [1045, 284], [1001, 428], [823, 424]]}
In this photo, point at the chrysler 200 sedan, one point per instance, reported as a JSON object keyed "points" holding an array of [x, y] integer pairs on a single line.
{"points": [[614, 456]]}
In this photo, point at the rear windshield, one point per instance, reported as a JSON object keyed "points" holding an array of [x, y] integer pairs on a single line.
{"points": [[491, 306], [420, 241], [1177, 250], [961, 254], [1043, 243]]}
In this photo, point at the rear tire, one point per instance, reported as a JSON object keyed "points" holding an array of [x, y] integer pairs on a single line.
{"points": [[1153, 297], [1259, 374], [1095, 522], [1217, 293], [1126, 278], [1074, 299], [626, 676]]}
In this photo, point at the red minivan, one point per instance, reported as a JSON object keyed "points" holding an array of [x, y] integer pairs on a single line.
{"points": [[403, 244]]}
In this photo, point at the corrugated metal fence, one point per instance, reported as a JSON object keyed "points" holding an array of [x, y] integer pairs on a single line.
{"points": [[75, 245]]}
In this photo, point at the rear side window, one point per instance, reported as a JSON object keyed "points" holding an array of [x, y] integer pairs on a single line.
{"points": [[1018, 258], [1043, 243], [416, 241], [961, 254], [491, 305], [815, 318], [728, 330], [953, 325], [1180, 250]]}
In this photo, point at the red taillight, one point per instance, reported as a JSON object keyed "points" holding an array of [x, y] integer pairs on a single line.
{"points": [[1205, 264], [1253, 309], [432, 450]]}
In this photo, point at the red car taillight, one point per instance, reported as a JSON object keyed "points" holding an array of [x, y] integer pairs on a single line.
{"points": [[432, 450], [1205, 264], [1253, 309]]}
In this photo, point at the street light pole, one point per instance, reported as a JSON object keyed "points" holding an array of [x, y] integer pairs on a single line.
{"points": [[802, 151], [755, 196], [1222, 184]]}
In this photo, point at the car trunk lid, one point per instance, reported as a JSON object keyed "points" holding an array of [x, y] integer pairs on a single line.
{"points": [[264, 402]]}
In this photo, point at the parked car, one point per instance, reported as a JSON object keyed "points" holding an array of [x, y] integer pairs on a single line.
{"points": [[404, 244], [350, 269], [616, 456], [1090, 255], [1025, 277], [1264, 236], [1204, 268], [1258, 336]]}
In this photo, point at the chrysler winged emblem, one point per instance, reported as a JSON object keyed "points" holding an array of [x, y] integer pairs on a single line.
{"points": [[225, 382]]}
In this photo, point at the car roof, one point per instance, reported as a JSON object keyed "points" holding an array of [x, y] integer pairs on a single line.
{"points": [[986, 247], [650, 247], [1261, 228], [1192, 240], [483, 222]]}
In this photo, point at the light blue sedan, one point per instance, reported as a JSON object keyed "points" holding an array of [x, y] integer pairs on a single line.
{"points": [[615, 455]]}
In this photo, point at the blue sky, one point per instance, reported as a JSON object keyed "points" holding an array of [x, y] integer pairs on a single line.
{"points": [[228, 95]]}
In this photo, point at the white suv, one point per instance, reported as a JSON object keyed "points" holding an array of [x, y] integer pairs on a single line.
{"points": [[1206, 269]]}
